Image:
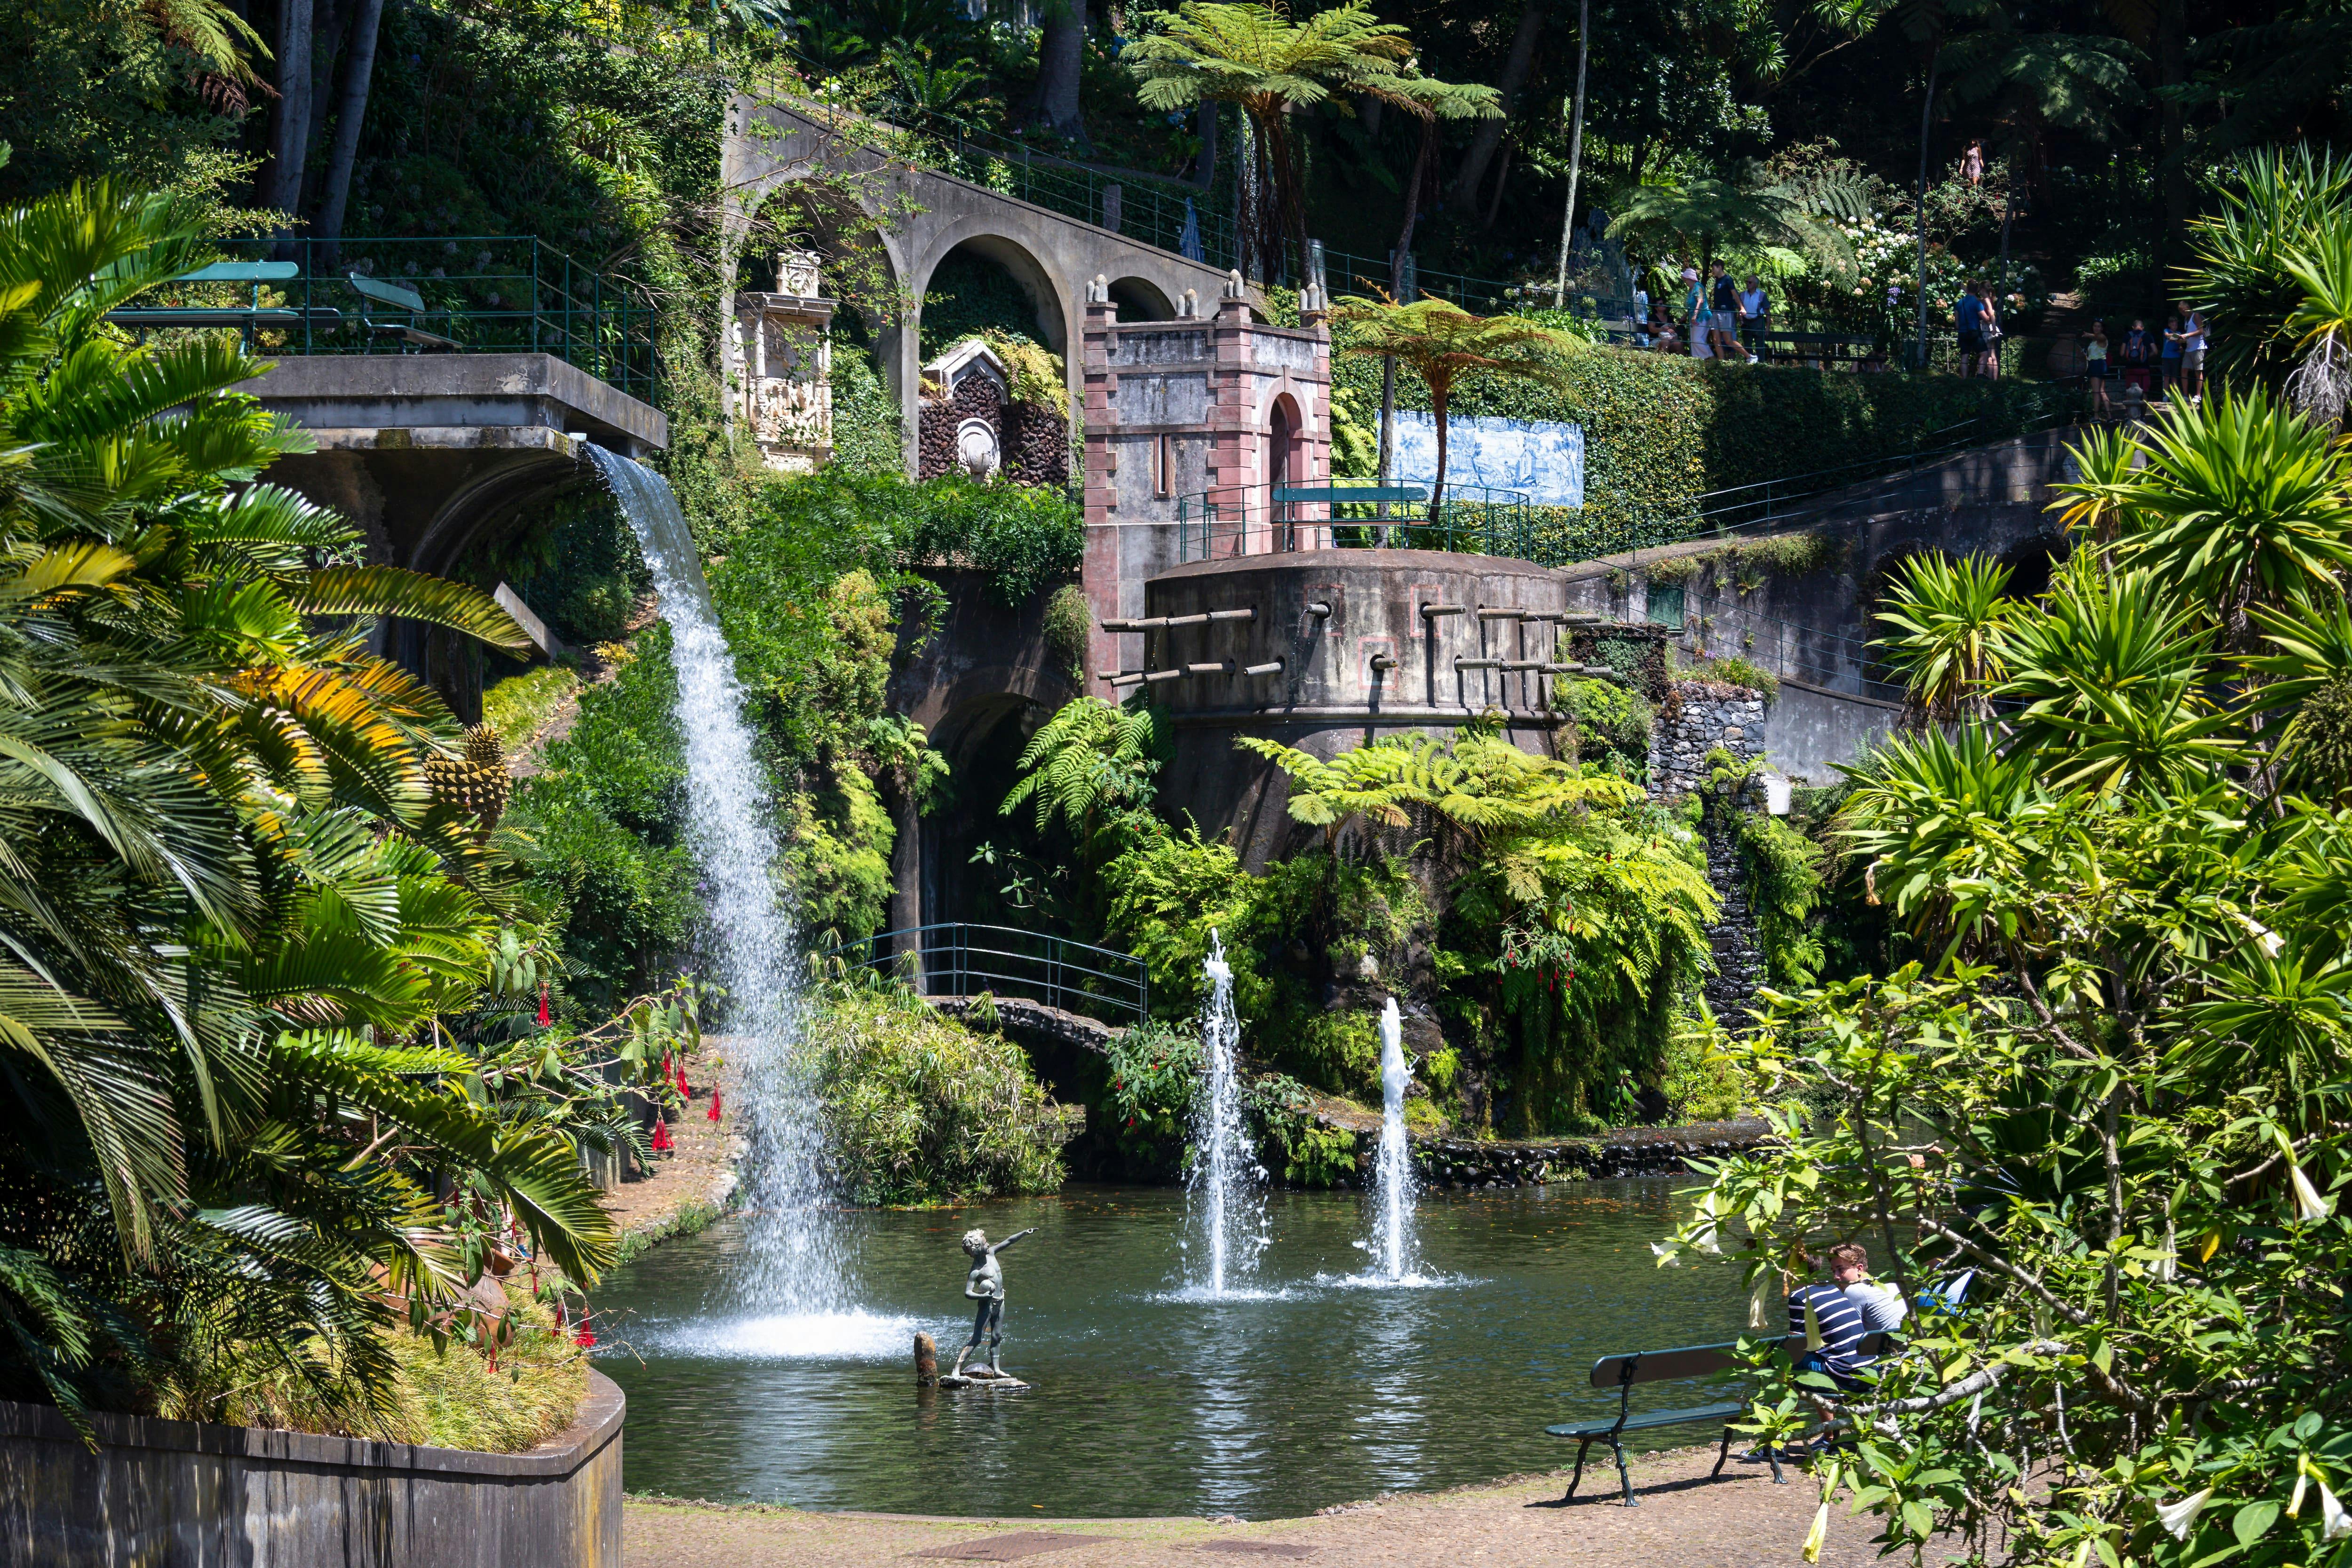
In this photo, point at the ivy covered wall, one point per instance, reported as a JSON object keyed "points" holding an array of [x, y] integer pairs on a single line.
{"points": [[1660, 428]]}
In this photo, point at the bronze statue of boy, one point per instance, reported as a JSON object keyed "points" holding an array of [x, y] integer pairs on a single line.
{"points": [[985, 1285]]}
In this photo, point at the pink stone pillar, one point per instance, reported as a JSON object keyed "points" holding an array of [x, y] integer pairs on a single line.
{"points": [[1100, 572]]}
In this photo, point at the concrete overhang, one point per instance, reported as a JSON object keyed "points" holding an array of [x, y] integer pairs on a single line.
{"points": [[456, 403]]}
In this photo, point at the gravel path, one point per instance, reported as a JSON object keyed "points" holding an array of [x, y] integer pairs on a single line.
{"points": [[1684, 1521]]}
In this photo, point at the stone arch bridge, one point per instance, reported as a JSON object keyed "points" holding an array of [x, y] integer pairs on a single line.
{"points": [[919, 216]]}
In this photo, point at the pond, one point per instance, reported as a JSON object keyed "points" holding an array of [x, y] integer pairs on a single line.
{"points": [[1146, 1399]]}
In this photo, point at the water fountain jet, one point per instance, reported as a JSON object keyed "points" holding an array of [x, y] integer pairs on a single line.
{"points": [[1227, 1188], [1393, 1241]]}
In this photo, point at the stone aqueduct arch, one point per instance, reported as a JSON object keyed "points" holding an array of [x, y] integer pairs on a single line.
{"points": [[921, 216]]}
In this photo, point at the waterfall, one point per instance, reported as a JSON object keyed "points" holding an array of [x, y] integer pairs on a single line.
{"points": [[795, 1263], [1392, 1247], [1227, 1186]]}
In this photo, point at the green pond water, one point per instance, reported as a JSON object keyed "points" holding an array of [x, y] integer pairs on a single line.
{"points": [[1146, 1399]]}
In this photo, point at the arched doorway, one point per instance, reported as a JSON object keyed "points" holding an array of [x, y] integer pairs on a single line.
{"points": [[1282, 469], [979, 863]]}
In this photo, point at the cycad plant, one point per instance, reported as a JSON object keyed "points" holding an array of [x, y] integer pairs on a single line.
{"points": [[231, 906]]}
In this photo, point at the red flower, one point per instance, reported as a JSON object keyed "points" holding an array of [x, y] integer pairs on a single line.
{"points": [[544, 1016], [714, 1102]]}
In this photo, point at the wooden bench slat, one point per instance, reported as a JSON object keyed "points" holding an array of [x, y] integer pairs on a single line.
{"points": [[1710, 1414]]}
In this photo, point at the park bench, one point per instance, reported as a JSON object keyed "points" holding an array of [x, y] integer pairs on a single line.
{"points": [[399, 298], [1623, 1371], [246, 318], [1829, 348]]}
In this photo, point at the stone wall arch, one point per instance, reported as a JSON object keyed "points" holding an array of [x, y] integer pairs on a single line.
{"points": [[1141, 300]]}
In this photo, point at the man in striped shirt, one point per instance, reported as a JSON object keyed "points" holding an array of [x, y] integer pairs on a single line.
{"points": [[1831, 1322]]}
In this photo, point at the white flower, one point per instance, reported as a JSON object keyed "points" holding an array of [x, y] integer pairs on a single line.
{"points": [[2295, 1503], [1670, 1255], [1818, 1533], [2268, 940], [1756, 1301], [2308, 1205], [2166, 1266], [2181, 1518], [1705, 1240], [2335, 1525]]}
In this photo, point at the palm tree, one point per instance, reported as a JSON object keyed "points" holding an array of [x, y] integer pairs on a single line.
{"points": [[221, 856], [1440, 341], [1255, 57]]}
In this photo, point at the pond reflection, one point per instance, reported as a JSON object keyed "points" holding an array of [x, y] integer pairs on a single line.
{"points": [[1147, 1402]]}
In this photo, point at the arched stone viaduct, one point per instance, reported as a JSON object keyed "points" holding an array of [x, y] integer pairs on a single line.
{"points": [[919, 215]]}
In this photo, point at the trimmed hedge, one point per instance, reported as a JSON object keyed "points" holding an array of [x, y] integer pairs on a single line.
{"points": [[1660, 428]]}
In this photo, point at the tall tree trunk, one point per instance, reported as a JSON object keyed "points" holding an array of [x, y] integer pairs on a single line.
{"points": [[1437, 401], [1398, 264], [1059, 53], [1206, 170], [351, 114], [1926, 117], [1575, 154], [290, 117], [1516, 66], [2172, 165], [1495, 202], [328, 18]]}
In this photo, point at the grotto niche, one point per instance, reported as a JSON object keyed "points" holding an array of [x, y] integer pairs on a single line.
{"points": [[973, 423]]}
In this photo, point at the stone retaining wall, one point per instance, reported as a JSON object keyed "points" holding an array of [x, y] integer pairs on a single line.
{"points": [[1706, 715], [183, 1492], [1463, 1163]]}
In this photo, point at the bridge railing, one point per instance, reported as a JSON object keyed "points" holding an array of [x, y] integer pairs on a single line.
{"points": [[1215, 525], [482, 294], [1166, 212], [959, 959]]}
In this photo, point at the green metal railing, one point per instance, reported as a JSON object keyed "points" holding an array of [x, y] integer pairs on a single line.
{"points": [[958, 958], [482, 295], [1218, 524], [1153, 210]]}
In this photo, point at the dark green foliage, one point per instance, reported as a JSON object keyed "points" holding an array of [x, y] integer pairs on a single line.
{"points": [[1738, 672], [1783, 871], [1294, 1141], [970, 295], [603, 833], [924, 1109], [1139, 1123], [511, 120], [93, 89], [1027, 538], [1611, 720], [576, 564], [868, 434], [1659, 430], [1069, 622]]}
